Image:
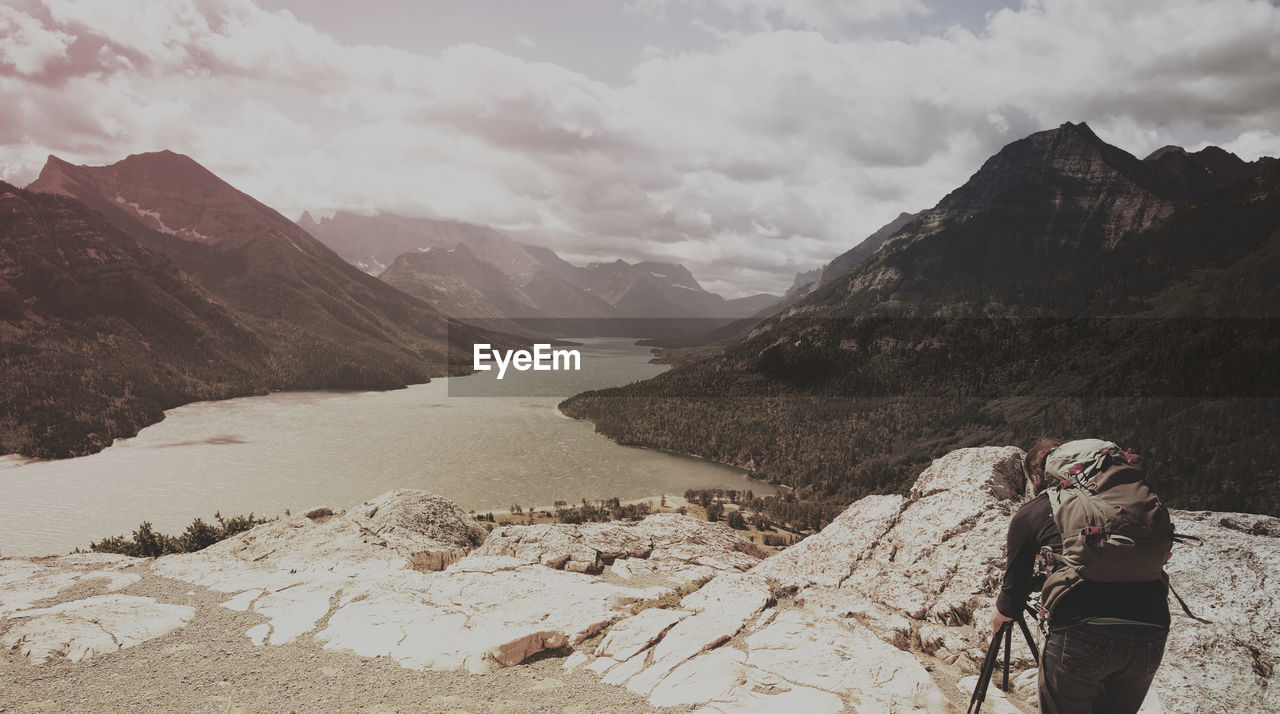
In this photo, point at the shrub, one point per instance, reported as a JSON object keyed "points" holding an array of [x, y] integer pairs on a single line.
{"points": [[147, 543]]}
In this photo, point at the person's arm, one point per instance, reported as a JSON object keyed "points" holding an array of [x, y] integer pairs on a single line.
{"points": [[1023, 546]]}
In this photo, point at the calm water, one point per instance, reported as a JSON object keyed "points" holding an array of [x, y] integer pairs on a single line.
{"points": [[306, 449]]}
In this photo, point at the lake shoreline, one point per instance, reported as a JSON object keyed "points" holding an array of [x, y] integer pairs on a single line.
{"points": [[337, 448]]}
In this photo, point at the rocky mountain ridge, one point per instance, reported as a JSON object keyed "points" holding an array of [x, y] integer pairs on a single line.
{"points": [[960, 329], [155, 283], [1048, 200], [555, 287], [881, 611], [261, 264], [98, 334]]}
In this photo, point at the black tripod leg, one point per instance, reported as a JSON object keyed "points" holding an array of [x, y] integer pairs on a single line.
{"points": [[1031, 643], [1008, 644], [988, 668]]}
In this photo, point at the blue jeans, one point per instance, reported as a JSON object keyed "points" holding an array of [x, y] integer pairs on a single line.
{"points": [[1099, 668]]}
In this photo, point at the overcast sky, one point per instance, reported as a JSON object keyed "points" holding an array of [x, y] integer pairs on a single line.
{"points": [[748, 139]]}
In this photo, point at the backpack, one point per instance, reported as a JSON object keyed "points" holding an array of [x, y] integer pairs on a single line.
{"points": [[1114, 527]]}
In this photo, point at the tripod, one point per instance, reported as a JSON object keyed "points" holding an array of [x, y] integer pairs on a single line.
{"points": [[1005, 635]]}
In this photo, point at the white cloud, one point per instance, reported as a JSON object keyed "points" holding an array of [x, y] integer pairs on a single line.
{"points": [[823, 15], [26, 44], [770, 152]]}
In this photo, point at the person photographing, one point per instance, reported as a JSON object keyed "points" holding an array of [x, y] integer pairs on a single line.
{"points": [[1103, 537]]}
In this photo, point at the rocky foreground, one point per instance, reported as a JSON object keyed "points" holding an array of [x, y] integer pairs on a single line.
{"points": [[405, 602]]}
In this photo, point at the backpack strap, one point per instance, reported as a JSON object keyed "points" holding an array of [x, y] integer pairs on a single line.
{"points": [[1055, 501], [1183, 603]]}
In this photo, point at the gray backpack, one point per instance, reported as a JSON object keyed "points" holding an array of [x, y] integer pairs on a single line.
{"points": [[1114, 527]]}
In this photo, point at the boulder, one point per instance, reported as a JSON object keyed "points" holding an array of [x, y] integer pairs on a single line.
{"points": [[95, 625], [894, 590], [398, 530], [591, 547]]}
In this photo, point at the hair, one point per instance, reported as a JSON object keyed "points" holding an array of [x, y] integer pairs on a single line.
{"points": [[1033, 464]]}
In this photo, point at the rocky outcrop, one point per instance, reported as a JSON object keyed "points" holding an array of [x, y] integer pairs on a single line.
{"points": [[590, 547], [403, 528], [94, 625], [883, 610]]}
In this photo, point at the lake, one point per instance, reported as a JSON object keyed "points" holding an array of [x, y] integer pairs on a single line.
{"points": [[300, 450]]}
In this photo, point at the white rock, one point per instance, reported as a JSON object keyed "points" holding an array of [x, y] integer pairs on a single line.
{"points": [[1229, 579], [398, 530], [95, 625], [707, 677], [590, 547], [116, 580], [722, 607], [829, 557], [474, 621], [241, 602], [995, 701], [844, 657], [258, 634], [620, 673], [788, 699], [295, 610], [634, 634]]}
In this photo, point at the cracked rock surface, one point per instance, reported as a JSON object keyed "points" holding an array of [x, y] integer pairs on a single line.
{"points": [[881, 611]]}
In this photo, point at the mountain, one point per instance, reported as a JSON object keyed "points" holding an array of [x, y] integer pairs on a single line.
{"points": [[751, 304], [649, 289], [844, 263], [800, 286], [1065, 289], [554, 286], [99, 334], [329, 324], [556, 296], [373, 242], [459, 284], [1041, 202], [810, 280]]}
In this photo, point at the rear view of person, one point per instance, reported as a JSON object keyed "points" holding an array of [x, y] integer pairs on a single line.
{"points": [[1103, 537]]}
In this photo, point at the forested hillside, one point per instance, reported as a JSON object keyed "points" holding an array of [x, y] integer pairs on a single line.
{"points": [[1166, 343]]}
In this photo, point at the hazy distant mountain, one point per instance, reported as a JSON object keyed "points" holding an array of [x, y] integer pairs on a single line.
{"points": [[99, 335], [459, 284], [751, 304], [841, 265], [555, 286], [800, 286], [965, 328], [330, 324], [649, 289], [373, 242]]}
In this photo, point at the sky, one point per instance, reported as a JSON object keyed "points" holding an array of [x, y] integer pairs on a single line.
{"points": [[747, 139]]}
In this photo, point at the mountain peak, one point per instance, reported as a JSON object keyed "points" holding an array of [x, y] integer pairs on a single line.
{"points": [[1170, 150], [58, 177]]}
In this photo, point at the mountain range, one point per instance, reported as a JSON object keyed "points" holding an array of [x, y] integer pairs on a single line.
{"points": [[538, 282], [1066, 288], [151, 282]]}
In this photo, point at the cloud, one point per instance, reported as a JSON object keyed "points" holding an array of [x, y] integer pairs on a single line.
{"points": [[27, 46], [821, 15], [778, 145]]}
